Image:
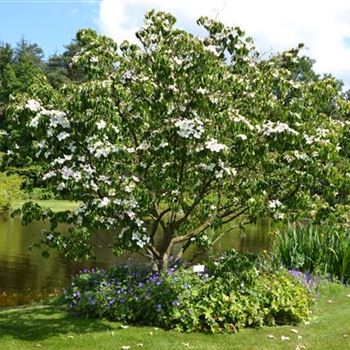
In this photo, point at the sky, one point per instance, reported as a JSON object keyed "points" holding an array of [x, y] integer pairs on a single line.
{"points": [[322, 25]]}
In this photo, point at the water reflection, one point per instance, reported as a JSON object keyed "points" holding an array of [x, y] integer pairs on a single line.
{"points": [[22, 269]]}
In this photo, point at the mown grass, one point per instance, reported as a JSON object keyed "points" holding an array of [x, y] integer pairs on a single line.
{"points": [[49, 327], [55, 204]]}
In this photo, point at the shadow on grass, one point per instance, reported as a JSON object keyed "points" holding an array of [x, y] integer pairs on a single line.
{"points": [[39, 323]]}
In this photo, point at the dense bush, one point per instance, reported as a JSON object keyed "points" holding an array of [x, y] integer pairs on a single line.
{"points": [[181, 299], [10, 189], [39, 193], [314, 249]]}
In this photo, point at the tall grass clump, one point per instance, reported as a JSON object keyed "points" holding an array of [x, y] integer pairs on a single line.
{"points": [[318, 250]]}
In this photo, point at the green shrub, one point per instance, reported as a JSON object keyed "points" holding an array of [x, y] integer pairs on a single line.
{"points": [[186, 301], [10, 189], [39, 193], [318, 250]]}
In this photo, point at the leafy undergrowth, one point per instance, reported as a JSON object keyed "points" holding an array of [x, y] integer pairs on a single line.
{"points": [[49, 327], [234, 294]]}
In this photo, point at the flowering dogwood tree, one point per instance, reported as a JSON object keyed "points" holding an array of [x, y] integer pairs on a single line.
{"points": [[180, 135]]}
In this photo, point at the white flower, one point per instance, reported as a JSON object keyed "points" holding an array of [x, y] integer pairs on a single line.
{"points": [[48, 175], [219, 174], [94, 59], [202, 91], [177, 60], [278, 216], [212, 49], [116, 130], [139, 222], [67, 157], [56, 118], [240, 118], [229, 170], [135, 236], [274, 204], [117, 201], [62, 135], [140, 243], [242, 137], [61, 186], [270, 127], [214, 146], [101, 124], [34, 122], [143, 146], [104, 202], [99, 149], [66, 173], [190, 127], [130, 214], [207, 167], [33, 105], [102, 152], [130, 187]]}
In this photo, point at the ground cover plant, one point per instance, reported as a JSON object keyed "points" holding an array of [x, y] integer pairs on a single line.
{"points": [[180, 134], [232, 295], [319, 250]]}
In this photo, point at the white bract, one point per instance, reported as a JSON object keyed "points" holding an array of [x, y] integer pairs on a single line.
{"points": [[33, 105], [214, 146], [190, 127]]}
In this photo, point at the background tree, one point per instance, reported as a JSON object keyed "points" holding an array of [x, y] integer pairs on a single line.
{"points": [[59, 70], [170, 139]]}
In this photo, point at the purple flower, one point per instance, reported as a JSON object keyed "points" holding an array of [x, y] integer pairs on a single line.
{"points": [[305, 278], [76, 294], [158, 307], [91, 301]]}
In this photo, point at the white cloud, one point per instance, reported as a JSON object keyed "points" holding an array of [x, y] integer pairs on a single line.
{"points": [[274, 24]]}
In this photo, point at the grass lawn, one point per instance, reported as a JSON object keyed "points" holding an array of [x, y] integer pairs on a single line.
{"points": [[49, 327], [55, 204]]}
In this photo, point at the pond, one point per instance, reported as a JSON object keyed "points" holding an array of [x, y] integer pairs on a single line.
{"points": [[23, 270]]}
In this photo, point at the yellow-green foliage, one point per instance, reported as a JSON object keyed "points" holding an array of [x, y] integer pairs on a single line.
{"points": [[10, 189]]}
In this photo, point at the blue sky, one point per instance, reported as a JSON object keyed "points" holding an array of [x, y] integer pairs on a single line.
{"points": [[50, 24], [276, 25]]}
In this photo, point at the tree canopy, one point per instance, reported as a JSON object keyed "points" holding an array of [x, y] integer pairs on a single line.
{"points": [[182, 134]]}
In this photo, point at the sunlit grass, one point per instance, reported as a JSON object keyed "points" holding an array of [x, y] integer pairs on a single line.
{"points": [[49, 327], [54, 204]]}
